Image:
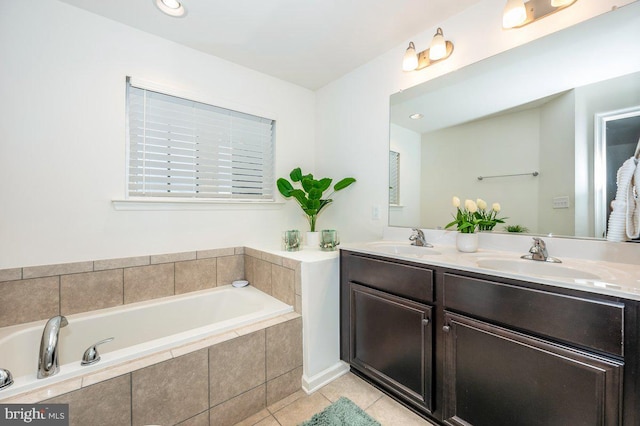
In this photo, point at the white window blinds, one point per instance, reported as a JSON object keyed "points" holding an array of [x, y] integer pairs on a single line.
{"points": [[186, 149]]}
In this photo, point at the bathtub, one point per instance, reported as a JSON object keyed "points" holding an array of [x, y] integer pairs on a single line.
{"points": [[140, 329]]}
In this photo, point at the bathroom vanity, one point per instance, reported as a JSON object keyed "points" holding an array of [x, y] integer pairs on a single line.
{"points": [[464, 347]]}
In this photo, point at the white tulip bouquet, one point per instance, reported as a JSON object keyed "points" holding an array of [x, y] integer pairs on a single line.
{"points": [[474, 215]]}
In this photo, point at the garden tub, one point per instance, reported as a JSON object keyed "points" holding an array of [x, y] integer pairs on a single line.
{"points": [[139, 330]]}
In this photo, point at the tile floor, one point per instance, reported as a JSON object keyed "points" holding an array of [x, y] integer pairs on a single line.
{"points": [[299, 407]]}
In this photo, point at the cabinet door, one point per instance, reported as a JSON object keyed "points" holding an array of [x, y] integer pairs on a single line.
{"points": [[494, 377], [391, 342]]}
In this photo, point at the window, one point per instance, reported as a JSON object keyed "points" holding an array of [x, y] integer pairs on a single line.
{"points": [[181, 148], [394, 178]]}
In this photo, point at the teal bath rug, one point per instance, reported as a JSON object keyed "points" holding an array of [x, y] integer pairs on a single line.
{"points": [[343, 412]]}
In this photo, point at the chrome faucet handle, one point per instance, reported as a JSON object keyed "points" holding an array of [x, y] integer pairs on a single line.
{"points": [[91, 355], [538, 251], [6, 379], [418, 238]]}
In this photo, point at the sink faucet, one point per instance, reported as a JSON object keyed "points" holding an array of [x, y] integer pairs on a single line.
{"points": [[538, 251], [418, 239], [48, 360]]}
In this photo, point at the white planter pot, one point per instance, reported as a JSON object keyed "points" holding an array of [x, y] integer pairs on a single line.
{"points": [[467, 243], [312, 240]]}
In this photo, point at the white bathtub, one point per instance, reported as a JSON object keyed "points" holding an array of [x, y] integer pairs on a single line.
{"points": [[140, 329]]}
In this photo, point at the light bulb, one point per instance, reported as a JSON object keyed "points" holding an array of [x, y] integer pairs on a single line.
{"points": [[172, 4], [410, 61], [514, 13], [438, 48], [171, 7]]}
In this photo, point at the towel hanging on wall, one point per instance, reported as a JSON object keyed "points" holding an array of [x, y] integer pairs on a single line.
{"points": [[624, 221], [633, 215]]}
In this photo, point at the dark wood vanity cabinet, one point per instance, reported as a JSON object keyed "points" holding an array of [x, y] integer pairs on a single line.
{"points": [[391, 342], [494, 376], [387, 326], [515, 355], [467, 349]]}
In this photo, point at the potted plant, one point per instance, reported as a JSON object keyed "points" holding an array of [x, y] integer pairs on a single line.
{"points": [[310, 195], [516, 228], [466, 221], [488, 218]]}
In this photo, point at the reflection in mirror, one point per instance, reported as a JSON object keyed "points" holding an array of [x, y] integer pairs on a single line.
{"points": [[617, 139], [530, 109], [394, 178]]}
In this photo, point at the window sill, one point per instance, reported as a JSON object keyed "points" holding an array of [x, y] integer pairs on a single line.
{"points": [[163, 204]]}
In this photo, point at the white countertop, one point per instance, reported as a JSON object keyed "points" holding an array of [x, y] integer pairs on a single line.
{"points": [[594, 276]]}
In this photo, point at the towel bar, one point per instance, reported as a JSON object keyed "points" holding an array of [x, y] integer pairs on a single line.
{"points": [[517, 174]]}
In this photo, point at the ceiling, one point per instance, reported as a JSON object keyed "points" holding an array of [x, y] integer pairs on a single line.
{"points": [[306, 42]]}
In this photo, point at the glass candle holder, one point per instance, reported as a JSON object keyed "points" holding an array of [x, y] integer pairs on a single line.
{"points": [[329, 240], [291, 240]]}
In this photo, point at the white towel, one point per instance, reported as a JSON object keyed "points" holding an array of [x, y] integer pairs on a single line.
{"points": [[624, 205], [633, 205]]}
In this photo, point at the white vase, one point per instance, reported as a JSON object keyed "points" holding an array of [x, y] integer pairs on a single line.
{"points": [[467, 243], [312, 240]]}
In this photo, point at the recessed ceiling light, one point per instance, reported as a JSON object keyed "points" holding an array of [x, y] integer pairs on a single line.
{"points": [[416, 116], [170, 7]]}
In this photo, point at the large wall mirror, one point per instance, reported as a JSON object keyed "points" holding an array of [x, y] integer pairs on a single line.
{"points": [[520, 129]]}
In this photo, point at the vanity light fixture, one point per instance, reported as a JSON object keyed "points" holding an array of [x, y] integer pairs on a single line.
{"points": [[518, 13], [439, 50], [170, 7]]}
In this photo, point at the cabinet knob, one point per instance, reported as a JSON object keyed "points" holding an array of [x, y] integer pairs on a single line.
{"points": [[425, 321], [446, 328]]}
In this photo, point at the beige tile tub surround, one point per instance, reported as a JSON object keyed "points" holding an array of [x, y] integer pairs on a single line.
{"points": [[107, 403], [40, 292], [219, 385], [89, 291], [275, 275], [29, 300], [283, 340], [195, 275], [171, 391], [236, 366], [148, 282]]}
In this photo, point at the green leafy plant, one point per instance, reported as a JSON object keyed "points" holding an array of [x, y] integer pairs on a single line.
{"points": [[516, 228], [488, 218], [465, 219], [310, 196]]}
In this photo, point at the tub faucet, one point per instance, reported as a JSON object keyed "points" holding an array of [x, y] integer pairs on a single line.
{"points": [[418, 239], [48, 360], [538, 251]]}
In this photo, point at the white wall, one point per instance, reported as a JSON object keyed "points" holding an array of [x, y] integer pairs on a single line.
{"points": [[557, 144], [503, 145], [407, 144], [62, 152], [353, 112]]}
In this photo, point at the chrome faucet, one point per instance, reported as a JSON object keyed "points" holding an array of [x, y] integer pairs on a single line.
{"points": [[538, 251], [418, 239], [48, 360]]}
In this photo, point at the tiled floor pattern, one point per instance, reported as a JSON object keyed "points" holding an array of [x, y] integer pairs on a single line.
{"points": [[299, 407]]}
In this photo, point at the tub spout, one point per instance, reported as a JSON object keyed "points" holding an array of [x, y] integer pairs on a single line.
{"points": [[48, 359]]}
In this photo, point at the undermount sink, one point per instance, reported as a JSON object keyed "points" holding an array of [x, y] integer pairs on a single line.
{"points": [[532, 267], [404, 249]]}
